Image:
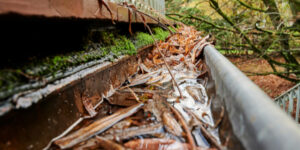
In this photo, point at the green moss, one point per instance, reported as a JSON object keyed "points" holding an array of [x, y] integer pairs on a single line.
{"points": [[172, 29], [160, 34], [143, 39], [122, 46], [110, 43], [107, 38]]}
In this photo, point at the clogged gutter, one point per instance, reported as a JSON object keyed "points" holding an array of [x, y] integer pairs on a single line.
{"points": [[37, 73], [30, 77], [148, 111]]}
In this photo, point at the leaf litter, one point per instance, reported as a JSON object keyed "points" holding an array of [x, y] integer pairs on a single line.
{"points": [[163, 106]]}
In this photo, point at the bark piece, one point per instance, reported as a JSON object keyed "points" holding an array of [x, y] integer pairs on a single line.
{"points": [[96, 127], [171, 124]]}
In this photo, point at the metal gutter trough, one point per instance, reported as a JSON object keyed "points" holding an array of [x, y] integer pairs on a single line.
{"points": [[234, 112], [256, 120], [180, 93], [52, 109]]}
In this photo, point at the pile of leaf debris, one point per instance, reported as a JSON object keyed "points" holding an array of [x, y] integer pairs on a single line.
{"points": [[163, 106]]}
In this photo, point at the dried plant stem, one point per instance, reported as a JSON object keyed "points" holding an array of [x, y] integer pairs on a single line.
{"points": [[66, 131], [102, 2], [217, 122], [108, 144], [185, 127], [211, 138], [96, 127], [155, 19], [164, 26], [207, 134], [220, 119], [135, 96], [164, 59], [71, 127]]}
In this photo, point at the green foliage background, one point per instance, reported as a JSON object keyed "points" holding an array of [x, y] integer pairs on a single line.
{"points": [[248, 23]]}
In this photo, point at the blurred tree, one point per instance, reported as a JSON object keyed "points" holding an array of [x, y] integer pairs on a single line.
{"points": [[278, 24], [246, 25], [295, 7]]}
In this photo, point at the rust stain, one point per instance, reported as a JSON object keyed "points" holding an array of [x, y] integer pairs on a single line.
{"points": [[78, 100], [68, 7], [63, 107]]}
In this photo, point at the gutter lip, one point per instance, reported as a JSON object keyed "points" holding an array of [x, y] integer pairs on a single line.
{"points": [[256, 120], [32, 96]]}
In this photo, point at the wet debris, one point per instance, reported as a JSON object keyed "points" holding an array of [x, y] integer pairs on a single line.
{"points": [[163, 144], [163, 106], [87, 103], [127, 133], [171, 124], [122, 98], [96, 127]]}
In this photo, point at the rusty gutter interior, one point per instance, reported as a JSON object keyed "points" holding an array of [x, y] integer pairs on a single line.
{"points": [[58, 105], [37, 125], [58, 108]]}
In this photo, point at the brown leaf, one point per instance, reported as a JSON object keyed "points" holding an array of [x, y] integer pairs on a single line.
{"points": [[173, 50], [156, 60], [182, 59]]}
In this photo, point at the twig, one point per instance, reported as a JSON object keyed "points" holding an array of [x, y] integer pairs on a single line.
{"points": [[135, 96], [268, 73], [214, 4], [203, 74], [250, 7], [164, 59], [161, 24], [163, 56], [203, 20], [207, 134], [102, 2], [66, 131], [280, 74], [220, 119], [71, 127], [210, 23], [274, 32], [226, 143], [185, 127], [96, 127], [130, 132], [198, 62], [160, 15], [108, 144], [130, 20]]}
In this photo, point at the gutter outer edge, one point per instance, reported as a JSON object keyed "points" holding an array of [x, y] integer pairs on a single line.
{"points": [[256, 121]]}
